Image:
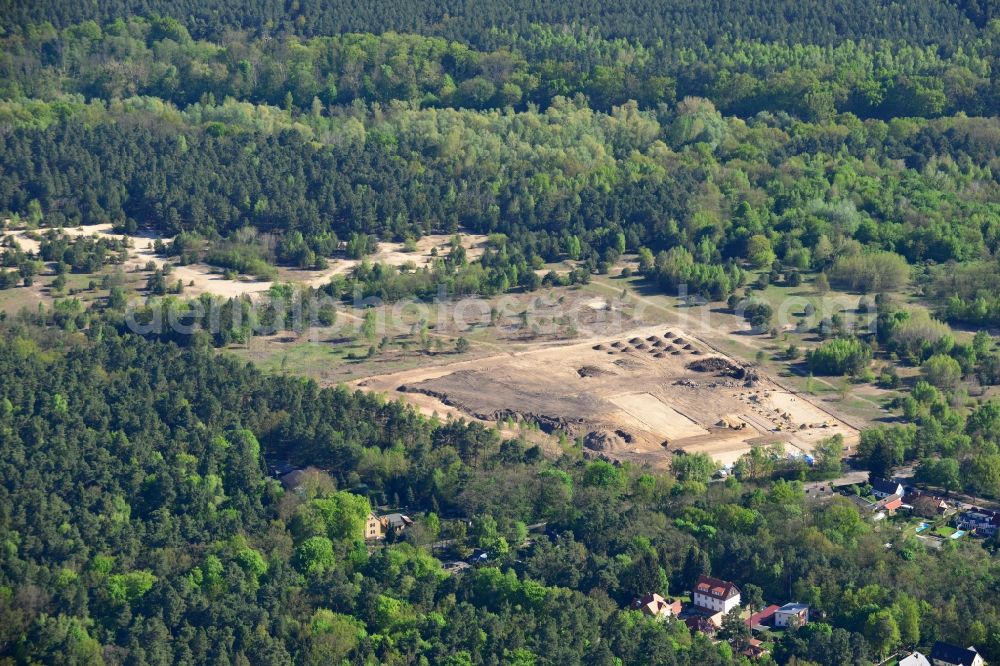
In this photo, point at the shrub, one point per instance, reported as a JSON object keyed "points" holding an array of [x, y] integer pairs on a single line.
{"points": [[874, 271], [942, 371], [839, 357]]}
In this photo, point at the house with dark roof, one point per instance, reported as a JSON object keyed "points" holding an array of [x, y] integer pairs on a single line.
{"points": [[883, 488], [714, 595], [983, 521], [397, 522], [702, 625], [946, 654]]}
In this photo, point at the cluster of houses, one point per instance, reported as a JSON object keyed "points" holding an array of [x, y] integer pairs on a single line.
{"points": [[891, 496], [982, 522], [711, 600]]}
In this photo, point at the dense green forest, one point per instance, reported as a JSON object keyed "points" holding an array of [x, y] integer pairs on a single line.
{"points": [[945, 22], [721, 147], [158, 58]]}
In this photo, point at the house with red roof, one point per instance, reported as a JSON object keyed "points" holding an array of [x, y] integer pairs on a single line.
{"points": [[656, 606], [715, 595]]}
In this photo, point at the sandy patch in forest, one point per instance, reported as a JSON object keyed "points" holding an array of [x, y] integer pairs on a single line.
{"points": [[201, 278]]}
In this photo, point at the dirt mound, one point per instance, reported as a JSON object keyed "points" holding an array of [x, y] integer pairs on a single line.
{"points": [[726, 368], [598, 347], [659, 355], [678, 341], [717, 364], [617, 344], [602, 440], [635, 341], [652, 338], [592, 371]]}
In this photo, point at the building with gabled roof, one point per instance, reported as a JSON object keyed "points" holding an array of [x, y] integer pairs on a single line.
{"points": [[883, 488], [656, 606], [715, 595], [763, 619], [946, 654], [915, 659]]}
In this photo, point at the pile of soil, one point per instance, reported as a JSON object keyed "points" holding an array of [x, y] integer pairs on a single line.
{"points": [[604, 439], [717, 364], [591, 371]]}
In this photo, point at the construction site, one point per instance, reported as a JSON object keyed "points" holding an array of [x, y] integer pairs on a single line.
{"points": [[643, 397]]}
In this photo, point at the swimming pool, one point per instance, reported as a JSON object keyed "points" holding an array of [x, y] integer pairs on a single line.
{"points": [[922, 526]]}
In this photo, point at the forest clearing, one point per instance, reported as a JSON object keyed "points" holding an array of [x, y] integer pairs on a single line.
{"points": [[640, 396]]}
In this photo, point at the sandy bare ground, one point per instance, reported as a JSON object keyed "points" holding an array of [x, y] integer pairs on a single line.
{"points": [[201, 278], [631, 397]]}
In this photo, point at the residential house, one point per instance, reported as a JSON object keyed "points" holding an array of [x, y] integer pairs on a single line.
{"points": [[883, 488], [374, 528], [946, 654], [872, 510], [915, 659], [763, 620], [279, 468], [714, 595], [889, 504], [456, 567], [983, 521], [702, 625], [656, 606], [927, 506], [755, 649], [377, 527], [791, 615], [397, 522]]}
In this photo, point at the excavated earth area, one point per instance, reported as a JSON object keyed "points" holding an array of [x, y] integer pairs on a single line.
{"points": [[642, 396]]}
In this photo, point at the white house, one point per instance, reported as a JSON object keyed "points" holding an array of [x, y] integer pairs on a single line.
{"points": [[946, 654], [791, 614], [712, 594], [882, 488], [915, 659]]}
